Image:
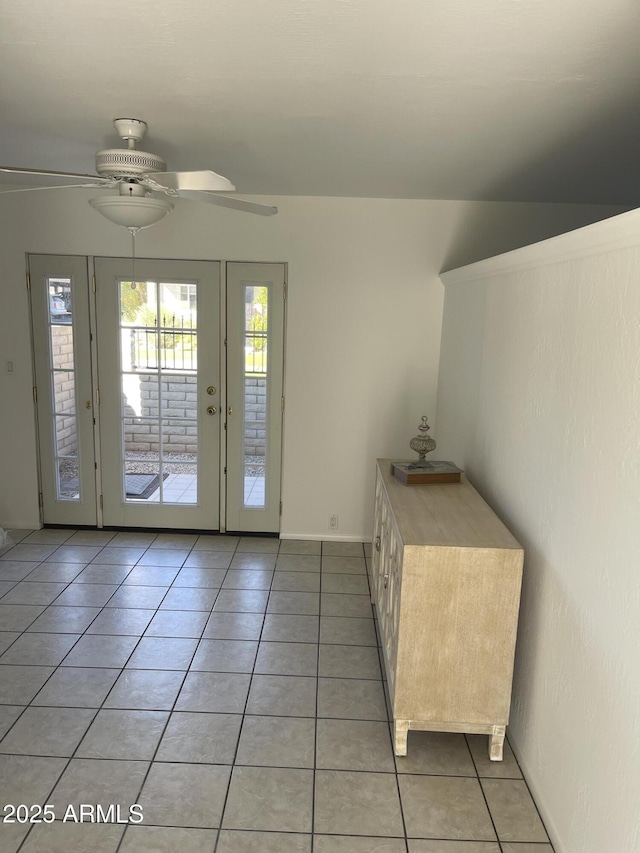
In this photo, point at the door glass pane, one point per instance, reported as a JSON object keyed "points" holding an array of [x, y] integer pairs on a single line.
{"points": [[64, 433], [159, 347], [255, 395]]}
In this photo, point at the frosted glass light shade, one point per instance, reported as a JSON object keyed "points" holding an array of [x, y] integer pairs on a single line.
{"points": [[133, 212]]}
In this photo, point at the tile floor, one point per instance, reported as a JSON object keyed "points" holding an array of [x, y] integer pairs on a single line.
{"points": [[232, 688]]}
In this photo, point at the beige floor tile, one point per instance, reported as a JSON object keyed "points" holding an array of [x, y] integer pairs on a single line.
{"points": [[163, 653], [99, 781], [276, 742], [216, 543], [185, 794], [190, 598], [247, 579], [343, 630], [152, 690], [505, 769], [164, 557], [299, 603], [28, 779], [344, 565], [351, 699], [86, 595], [236, 841], [454, 847], [200, 738], [267, 798], [305, 563], [342, 549], [225, 656], [513, 811], [16, 570], [346, 605], [120, 621], [19, 684], [445, 807], [436, 753], [208, 560], [177, 623], [350, 803], [284, 581], [300, 546], [288, 628], [97, 650], [47, 731], [349, 662], [241, 601], [234, 626], [287, 659], [57, 572], [282, 695], [138, 597], [8, 715], [346, 584], [152, 575], [214, 692], [356, 844], [163, 839], [26, 592], [354, 745], [77, 687], [64, 620], [258, 545], [131, 735], [253, 562], [39, 649], [73, 837], [200, 577], [18, 617], [99, 573]]}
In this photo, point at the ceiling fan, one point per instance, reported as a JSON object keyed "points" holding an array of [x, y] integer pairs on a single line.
{"points": [[143, 183]]}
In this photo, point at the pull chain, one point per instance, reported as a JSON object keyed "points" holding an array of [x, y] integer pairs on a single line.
{"points": [[134, 284]]}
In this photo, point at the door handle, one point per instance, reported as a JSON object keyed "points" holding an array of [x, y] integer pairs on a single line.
{"points": [[211, 390], [211, 410]]}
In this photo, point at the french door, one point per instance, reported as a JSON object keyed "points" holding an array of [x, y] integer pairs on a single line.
{"points": [[159, 378], [148, 416]]}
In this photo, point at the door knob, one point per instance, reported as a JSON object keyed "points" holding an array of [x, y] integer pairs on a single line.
{"points": [[211, 390], [211, 410]]}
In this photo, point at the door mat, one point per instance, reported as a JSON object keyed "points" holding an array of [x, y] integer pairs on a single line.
{"points": [[139, 486], [142, 486]]}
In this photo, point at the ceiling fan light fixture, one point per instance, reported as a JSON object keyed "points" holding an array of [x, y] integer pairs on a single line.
{"points": [[132, 212]]}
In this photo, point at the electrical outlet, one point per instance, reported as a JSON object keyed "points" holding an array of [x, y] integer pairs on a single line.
{"points": [[333, 521]]}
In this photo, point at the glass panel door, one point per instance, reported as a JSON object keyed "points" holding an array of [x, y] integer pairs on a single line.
{"points": [[255, 345], [65, 405], [159, 388]]}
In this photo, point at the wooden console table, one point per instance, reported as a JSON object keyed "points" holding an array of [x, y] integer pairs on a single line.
{"points": [[445, 581]]}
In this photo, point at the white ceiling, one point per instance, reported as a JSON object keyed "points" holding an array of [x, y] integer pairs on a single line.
{"points": [[518, 100]]}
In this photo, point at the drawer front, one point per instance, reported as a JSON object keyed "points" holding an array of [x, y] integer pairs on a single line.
{"points": [[389, 600]]}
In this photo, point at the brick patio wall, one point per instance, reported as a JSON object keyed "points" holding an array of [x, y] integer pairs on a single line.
{"points": [[180, 401], [64, 389]]}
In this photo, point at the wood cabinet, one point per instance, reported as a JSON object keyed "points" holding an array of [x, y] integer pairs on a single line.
{"points": [[445, 581]]}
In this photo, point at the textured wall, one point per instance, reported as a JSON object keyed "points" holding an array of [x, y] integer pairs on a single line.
{"points": [[539, 400], [364, 310]]}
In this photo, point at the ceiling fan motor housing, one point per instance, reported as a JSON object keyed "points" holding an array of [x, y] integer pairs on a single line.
{"points": [[124, 163]]}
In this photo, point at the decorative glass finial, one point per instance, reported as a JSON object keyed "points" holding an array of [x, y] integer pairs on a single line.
{"points": [[423, 443]]}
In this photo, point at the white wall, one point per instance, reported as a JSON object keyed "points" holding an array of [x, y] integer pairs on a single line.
{"points": [[364, 315], [539, 401]]}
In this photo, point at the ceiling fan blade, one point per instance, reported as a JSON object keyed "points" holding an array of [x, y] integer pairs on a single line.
{"points": [[48, 173], [197, 181], [57, 187], [227, 201]]}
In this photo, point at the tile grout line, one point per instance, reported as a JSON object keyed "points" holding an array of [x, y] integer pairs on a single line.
{"points": [[175, 701], [244, 712]]}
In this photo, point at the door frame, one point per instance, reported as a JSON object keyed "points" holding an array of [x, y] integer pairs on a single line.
{"points": [[89, 262]]}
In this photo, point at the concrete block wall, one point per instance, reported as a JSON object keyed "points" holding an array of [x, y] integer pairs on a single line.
{"points": [[64, 389], [179, 400]]}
